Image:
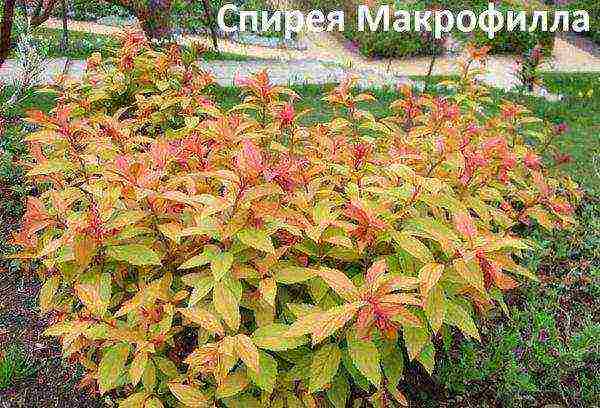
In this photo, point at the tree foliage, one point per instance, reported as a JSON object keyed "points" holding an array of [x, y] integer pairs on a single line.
{"points": [[8, 12], [196, 254], [154, 16]]}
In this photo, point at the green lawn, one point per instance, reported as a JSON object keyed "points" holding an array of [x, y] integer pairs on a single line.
{"points": [[81, 45], [580, 110]]}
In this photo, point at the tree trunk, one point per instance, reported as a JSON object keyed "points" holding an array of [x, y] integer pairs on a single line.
{"points": [[41, 13], [5, 34], [154, 16], [431, 65], [64, 42], [210, 21]]}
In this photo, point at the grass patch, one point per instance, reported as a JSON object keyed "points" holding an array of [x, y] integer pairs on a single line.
{"points": [[580, 110], [311, 98], [212, 55], [81, 45], [14, 367]]}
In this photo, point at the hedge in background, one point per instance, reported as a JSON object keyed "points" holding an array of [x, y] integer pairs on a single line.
{"points": [[391, 44], [87, 10], [383, 44], [511, 42], [198, 256], [593, 8]]}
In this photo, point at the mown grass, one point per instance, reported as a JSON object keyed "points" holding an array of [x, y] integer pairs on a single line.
{"points": [[82, 44]]}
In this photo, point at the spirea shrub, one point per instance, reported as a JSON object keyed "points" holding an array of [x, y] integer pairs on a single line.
{"points": [[194, 256]]}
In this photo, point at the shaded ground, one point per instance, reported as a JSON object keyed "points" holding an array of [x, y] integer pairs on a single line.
{"points": [[54, 383]]}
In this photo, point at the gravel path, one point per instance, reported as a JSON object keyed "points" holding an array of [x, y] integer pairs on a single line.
{"points": [[327, 59], [280, 73]]}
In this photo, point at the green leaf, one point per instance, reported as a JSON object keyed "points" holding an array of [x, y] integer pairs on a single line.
{"points": [[95, 294], [339, 392], [415, 339], [149, 376], [112, 366], [267, 288], [365, 357], [433, 229], [50, 167], [221, 264], [257, 239], [154, 402], [289, 275], [393, 363], [414, 247], [332, 320], [137, 367], [171, 231], [204, 319], [199, 260], [272, 337], [232, 385], [427, 357], [226, 304], [324, 366], [201, 289], [435, 308], [166, 366], [188, 395], [429, 275], [356, 375], [47, 293], [458, 316], [471, 273], [265, 379], [134, 401], [135, 254]]}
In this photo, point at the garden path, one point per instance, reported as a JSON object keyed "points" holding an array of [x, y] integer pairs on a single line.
{"points": [[328, 60]]}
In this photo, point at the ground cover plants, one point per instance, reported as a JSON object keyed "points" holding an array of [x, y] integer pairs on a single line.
{"points": [[195, 254], [13, 367]]}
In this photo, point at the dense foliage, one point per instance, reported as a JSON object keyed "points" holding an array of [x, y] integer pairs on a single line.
{"points": [[392, 44], [386, 44], [194, 254], [509, 42], [593, 8]]}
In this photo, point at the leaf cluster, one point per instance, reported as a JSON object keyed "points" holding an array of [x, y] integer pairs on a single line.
{"points": [[194, 256]]}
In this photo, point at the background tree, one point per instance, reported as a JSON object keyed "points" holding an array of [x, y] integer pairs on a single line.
{"points": [[42, 11], [7, 23], [154, 16], [211, 23], [64, 41]]}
